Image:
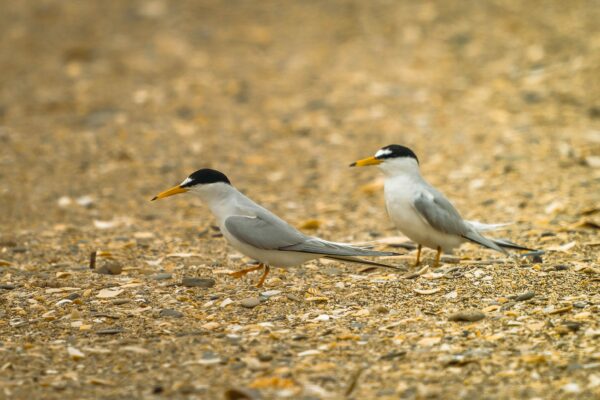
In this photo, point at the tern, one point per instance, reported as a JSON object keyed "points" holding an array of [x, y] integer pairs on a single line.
{"points": [[258, 233], [421, 212]]}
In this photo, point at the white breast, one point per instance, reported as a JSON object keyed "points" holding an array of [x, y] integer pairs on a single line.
{"points": [[400, 192]]}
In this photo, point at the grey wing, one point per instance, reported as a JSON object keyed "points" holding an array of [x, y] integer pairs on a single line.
{"points": [[263, 231], [441, 215], [439, 212], [268, 232]]}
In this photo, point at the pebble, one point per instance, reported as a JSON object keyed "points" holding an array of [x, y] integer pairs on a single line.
{"points": [[270, 293], [469, 315], [75, 353], [197, 282], [264, 357], [118, 302], [242, 394], [73, 296], [572, 326], [110, 268], [393, 354], [167, 312], [109, 292], [250, 302], [293, 297], [110, 331], [525, 296], [7, 287], [561, 267], [162, 276]]}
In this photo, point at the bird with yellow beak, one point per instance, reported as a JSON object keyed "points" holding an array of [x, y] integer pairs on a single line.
{"points": [[259, 234], [421, 212]]}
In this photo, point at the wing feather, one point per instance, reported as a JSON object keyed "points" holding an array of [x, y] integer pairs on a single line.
{"points": [[269, 232]]}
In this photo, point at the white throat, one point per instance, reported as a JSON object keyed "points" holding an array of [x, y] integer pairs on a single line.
{"points": [[393, 167], [220, 197]]}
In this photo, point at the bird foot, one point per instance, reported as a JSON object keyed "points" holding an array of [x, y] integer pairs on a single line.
{"points": [[239, 274]]}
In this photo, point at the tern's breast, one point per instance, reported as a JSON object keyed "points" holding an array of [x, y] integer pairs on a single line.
{"points": [[399, 195]]}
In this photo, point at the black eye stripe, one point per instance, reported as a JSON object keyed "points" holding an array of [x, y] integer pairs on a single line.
{"points": [[206, 176]]}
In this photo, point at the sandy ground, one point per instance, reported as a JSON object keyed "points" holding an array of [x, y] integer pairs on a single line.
{"points": [[105, 103]]}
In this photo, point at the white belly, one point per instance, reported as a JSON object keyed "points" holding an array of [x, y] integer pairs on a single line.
{"points": [[275, 258], [399, 204]]}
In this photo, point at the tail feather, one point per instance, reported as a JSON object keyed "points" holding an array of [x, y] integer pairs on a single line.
{"points": [[483, 227], [324, 247], [475, 237], [510, 245], [361, 261]]}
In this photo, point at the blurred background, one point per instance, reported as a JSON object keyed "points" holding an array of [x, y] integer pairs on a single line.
{"points": [[102, 104], [105, 103]]}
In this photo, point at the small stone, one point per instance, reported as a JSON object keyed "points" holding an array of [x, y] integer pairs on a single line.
{"points": [[265, 357], [293, 297], [118, 302], [211, 326], [73, 296], [250, 302], [84, 201], [579, 304], [198, 282], [270, 293], [572, 325], [393, 354], [7, 286], [226, 302], [469, 315], [75, 353], [382, 309], [109, 292], [162, 276], [561, 267], [167, 312], [110, 268], [242, 394], [525, 296], [110, 331]]}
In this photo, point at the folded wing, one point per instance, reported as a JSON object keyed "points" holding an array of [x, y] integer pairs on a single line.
{"points": [[268, 232], [438, 212]]}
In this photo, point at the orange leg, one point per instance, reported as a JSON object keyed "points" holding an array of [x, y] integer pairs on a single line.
{"points": [[262, 278], [418, 256], [239, 274], [437, 257]]}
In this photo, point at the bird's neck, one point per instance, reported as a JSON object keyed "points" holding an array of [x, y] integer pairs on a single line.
{"points": [[220, 199], [406, 169]]}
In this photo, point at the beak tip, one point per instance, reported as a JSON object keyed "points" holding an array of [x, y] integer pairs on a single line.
{"points": [[154, 198], [353, 164]]}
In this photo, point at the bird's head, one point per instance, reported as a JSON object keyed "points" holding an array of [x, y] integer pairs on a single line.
{"points": [[392, 160], [202, 182]]}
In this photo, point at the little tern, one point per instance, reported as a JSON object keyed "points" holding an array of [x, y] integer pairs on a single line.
{"points": [[420, 211], [256, 232]]}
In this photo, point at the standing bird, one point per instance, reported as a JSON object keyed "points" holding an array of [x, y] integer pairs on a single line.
{"points": [[258, 233], [420, 211]]}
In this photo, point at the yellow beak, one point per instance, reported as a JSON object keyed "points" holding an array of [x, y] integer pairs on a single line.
{"points": [[365, 162], [174, 190]]}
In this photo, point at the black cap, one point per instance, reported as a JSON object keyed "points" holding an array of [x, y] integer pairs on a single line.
{"points": [[205, 176], [395, 151]]}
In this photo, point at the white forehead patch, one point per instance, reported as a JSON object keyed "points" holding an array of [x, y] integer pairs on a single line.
{"points": [[185, 181], [382, 152]]}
